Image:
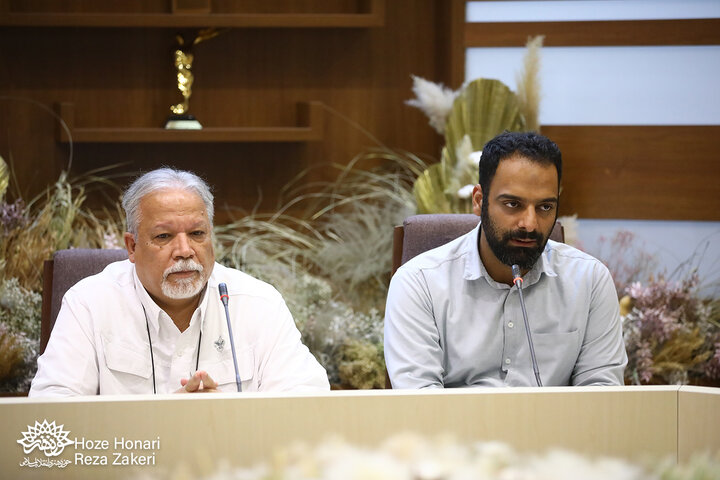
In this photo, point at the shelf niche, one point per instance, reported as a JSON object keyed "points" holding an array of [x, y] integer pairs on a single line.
{"points": [[309, 128]]}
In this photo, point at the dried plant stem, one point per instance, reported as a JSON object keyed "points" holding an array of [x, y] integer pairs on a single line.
{"points": [[528, 84]]}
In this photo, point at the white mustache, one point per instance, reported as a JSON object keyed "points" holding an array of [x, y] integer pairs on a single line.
{"points": [[183, 266]]}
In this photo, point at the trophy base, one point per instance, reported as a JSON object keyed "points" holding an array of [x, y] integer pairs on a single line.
{"points": [[182, 122]]}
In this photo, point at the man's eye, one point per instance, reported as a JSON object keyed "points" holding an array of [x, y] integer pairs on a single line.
{"points": [[162, 236], [511, 204], [547, 207], [197, 233]]}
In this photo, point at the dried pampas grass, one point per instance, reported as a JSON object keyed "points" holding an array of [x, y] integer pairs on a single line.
{"points": [[528, 84], [434, 99]]}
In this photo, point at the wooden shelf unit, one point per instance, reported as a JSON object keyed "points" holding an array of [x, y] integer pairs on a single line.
{"points": [[309, 128], [375, 17]]}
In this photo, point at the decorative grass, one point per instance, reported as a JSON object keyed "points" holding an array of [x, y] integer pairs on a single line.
{"points": [[528, 83], [332, 262]]}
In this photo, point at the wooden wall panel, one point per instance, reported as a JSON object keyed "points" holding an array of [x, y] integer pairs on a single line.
{"points": [[701, 31], [450, 43], [640, 172], [123, 77], [632, 172]]}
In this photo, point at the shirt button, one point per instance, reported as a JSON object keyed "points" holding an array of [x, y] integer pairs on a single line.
{"points": [[507, 361], [511, 324]]}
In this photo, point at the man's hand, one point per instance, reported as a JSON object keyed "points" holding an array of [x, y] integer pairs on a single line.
{"points": [[200, 382]]}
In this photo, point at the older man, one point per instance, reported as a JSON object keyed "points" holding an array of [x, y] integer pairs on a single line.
{"points": [[155, 323]]}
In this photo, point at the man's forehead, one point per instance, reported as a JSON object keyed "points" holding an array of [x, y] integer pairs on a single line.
{"points": [[518, 167], [175, 221], [525, 180], [167, 205]]}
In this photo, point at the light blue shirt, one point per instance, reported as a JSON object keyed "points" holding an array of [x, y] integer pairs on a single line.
{"points": [[449, 324]]}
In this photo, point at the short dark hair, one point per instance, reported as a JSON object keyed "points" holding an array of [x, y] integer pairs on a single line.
{"points": [[530, 145]]}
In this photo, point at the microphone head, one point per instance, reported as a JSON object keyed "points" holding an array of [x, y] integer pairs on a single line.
{"points": [[222, 288], [516, 271]]}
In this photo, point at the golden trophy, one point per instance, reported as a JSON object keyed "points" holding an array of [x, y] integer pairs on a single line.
{"points": [[180, 119]]}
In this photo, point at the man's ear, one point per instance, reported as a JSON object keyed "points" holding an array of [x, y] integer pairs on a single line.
{"points": [[477, 197], [130, 245]]}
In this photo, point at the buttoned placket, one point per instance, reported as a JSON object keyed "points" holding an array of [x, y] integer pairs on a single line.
{"points": [[185, 353], [175, 353], [512, 330]]}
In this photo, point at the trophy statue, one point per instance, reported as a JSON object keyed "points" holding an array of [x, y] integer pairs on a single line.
{"points": [[180, 118]]}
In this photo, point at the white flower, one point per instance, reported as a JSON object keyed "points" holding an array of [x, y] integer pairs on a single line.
{"points": [[110, 240], [466, 167], [462, 152], [474, 158], [465, 192], [434, 99]]}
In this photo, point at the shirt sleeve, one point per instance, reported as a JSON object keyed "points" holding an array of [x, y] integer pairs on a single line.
{"points": [[413, 355], [602, 358], [68, 367], [287, 364]]}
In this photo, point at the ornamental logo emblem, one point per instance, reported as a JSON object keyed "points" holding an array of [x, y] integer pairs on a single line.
{"points": [[47, 437]]}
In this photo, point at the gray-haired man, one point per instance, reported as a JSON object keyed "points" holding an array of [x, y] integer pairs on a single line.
{"points": [[155, 323]]}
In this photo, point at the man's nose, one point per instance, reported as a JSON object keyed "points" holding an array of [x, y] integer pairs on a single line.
{"points": [[528, 220], [182, 247]]}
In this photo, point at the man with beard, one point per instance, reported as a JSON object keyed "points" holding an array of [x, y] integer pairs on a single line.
{"points": [[453, 316], [155, 323]]}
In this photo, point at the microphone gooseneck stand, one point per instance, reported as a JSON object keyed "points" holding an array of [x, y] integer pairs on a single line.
{"points": [[517, 280]]}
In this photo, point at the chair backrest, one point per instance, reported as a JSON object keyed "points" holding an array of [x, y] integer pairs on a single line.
{"points": [[62, 272], [420, 233]]}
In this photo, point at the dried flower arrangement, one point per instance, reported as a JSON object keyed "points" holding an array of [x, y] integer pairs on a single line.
{"points": [[672, 333], [414, 457], [332, 263], [468, 118], [31, 232]]}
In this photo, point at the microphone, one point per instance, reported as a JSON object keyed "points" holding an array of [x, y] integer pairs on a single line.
{"points": [[224, 299], [517, 280]]}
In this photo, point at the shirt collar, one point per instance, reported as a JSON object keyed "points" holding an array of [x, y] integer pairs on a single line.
{"points": [[474, 268], [153, 311]]}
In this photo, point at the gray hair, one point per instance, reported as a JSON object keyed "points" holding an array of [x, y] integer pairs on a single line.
{"points": [[161, 179]]}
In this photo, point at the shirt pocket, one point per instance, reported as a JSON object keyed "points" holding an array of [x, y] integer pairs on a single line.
{"points": [[129, 371], [223, 371], [556, 356]]}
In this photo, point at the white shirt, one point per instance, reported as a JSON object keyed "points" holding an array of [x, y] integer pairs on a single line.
{"points": [[100, 342], [449, 324]]}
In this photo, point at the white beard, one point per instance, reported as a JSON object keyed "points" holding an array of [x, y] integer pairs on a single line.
{"points": [[185, 287]]}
